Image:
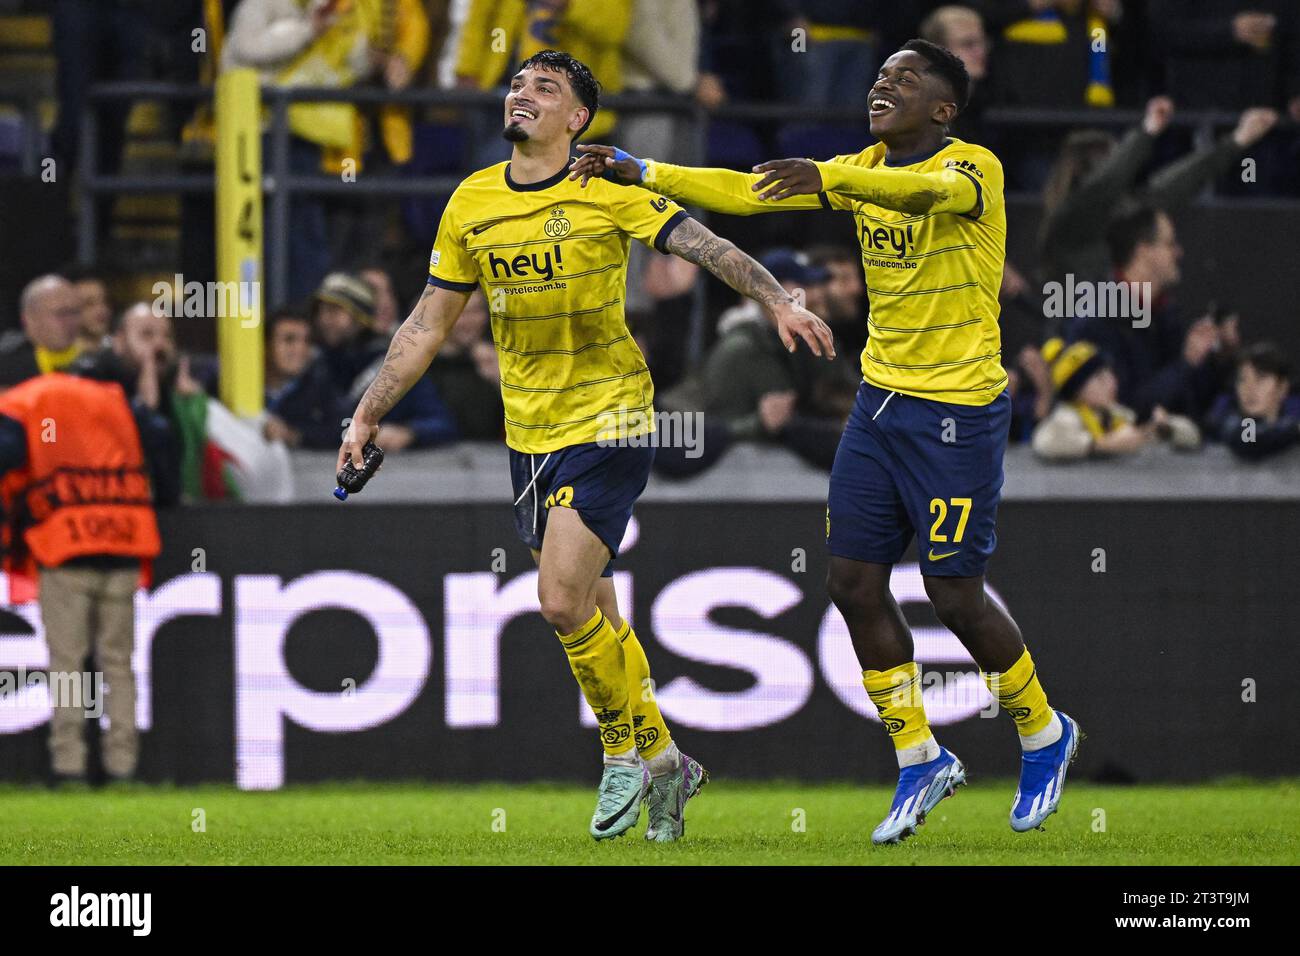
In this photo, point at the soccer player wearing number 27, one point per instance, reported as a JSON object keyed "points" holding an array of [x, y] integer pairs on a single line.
{"points": [[922, 451], [552, 260]]}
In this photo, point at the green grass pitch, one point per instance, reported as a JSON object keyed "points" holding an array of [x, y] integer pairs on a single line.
{"points": [[729, 823]]}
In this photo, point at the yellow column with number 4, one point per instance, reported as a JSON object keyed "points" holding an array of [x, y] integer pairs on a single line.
{"points": [[239, 240]]}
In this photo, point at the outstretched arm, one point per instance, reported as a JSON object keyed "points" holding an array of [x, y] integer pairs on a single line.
{"points": [[409, 355], [693, 242], [903, 190], [718, 190]]}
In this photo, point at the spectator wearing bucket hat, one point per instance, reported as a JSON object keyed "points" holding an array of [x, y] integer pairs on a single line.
{"points": [[310, 411], [1087, 418]]}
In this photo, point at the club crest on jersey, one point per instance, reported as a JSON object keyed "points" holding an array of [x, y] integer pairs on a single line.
{"points": [[557, 226]]}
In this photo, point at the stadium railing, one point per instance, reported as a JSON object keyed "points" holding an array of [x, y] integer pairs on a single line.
{"points": [[280, 185]]}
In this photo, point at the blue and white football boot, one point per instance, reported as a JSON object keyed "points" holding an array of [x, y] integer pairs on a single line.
{"points": [[618, 802], [1042, 776], [920, 788]]}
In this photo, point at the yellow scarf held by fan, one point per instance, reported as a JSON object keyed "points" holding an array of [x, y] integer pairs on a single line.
{"points": [[334, 59], [331, 61]]}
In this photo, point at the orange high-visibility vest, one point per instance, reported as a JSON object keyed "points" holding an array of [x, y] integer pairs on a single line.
{"points": [[85, 489]]}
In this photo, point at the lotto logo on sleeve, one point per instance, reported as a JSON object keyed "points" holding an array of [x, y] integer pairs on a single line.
{"points": [[965, 164]]}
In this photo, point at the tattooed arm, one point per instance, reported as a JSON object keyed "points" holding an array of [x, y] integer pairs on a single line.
{"points": [[413, 347], [695, 243]]}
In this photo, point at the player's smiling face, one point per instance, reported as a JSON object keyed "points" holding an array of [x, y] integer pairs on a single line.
{"points": [[541, 106], [906, 97]]}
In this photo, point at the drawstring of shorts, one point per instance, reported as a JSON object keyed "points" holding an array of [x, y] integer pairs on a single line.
{"points": [[882, 405], [533, 485]]}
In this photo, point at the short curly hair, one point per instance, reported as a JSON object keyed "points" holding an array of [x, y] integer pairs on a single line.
{"points": [[947, 64], [585, 85], [1267, 358]]}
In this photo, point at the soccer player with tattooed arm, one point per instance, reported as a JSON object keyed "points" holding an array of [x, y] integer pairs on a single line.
{"points": [[551, 258], [922, 452]]}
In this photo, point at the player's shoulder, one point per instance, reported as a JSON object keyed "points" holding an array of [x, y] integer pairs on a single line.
{"points": [[963, 155], [480, 187], [873, 155], [604, 191], [494, 175], [622, 202]]}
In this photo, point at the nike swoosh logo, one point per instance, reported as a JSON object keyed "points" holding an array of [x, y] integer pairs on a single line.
{"points": [[475, 231], [606, 824], [940, 557]]}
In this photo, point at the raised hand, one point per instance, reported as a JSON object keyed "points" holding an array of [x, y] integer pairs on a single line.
{"points": [[788, 177], [793, 319], [353, 442], [1254, 125], [775, 409], [607, 162], [1159, 111]]}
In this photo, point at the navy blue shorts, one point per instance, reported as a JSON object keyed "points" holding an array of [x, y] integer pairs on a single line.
{"points": [[909, 466], [599, 482]]}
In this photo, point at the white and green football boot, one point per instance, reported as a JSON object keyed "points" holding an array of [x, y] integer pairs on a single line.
{"points": [[668, 795], [618, 802]]}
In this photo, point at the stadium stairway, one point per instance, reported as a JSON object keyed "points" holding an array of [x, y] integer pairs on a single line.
{"points": [[145, 229]]}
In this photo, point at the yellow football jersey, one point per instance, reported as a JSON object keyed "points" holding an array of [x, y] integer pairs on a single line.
{"points": [[933, 279], [551, 258]]}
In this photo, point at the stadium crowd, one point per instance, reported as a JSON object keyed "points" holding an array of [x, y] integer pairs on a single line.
{"points": [[1083, 386]]}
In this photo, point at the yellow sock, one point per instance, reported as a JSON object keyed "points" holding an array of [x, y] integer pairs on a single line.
{"points": [[1021, 696], [897, 696], [652, 736], [596, 659]]}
